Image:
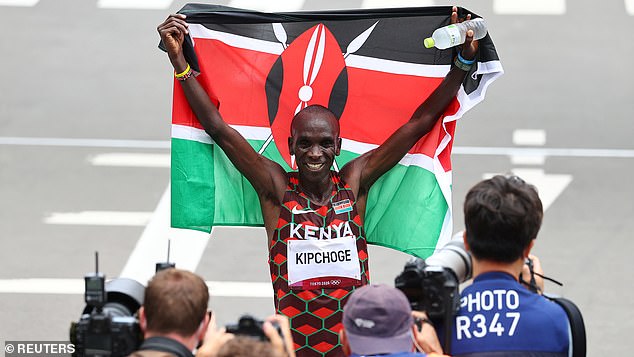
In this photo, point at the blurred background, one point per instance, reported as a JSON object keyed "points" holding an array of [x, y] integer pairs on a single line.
{"points": [[85, 108]]}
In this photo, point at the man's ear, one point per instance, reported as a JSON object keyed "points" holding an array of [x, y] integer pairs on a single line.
{"points": [[338, 147], [290, 145], [202, 329], [142, 319], [527, 251], [464, 240]]}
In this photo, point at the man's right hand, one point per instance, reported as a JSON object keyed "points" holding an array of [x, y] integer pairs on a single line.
{"points": [[283, 343], [470, 46], [425, 337], [173, 31]]}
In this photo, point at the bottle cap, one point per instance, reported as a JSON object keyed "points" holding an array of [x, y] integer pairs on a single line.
{"points": [[429, 42]]}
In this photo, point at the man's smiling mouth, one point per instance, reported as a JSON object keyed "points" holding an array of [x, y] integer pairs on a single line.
{"points": [[314, 166]]}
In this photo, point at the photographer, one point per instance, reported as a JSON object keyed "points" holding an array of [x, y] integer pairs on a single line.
{"points": [[277, 341], [499, 316], [174, 315], [378, 320]]}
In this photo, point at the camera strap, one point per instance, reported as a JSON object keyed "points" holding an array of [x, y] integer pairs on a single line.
{"points": [[165, 344], [532, 284]]}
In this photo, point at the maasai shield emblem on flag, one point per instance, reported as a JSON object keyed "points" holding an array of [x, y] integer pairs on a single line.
{"points": [[368, 66]]}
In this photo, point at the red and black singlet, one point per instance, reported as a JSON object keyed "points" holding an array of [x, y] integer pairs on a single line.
{"points": [[318, 256]]}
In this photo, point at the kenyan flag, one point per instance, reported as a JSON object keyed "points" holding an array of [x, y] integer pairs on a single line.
{"points": [[368, 66]]}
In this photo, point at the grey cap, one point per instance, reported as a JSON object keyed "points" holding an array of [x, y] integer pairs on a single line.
{"points": [[378, 320]]}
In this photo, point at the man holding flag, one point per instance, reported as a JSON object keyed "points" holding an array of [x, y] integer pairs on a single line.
{"points": [[313, 216]]}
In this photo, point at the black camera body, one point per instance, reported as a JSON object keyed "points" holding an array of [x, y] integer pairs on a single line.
{"points": [[249, 326], [433, 289], [432, 285], [108, 325]]}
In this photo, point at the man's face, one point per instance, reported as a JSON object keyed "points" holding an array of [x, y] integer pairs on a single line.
{"points": [[315, 142]]}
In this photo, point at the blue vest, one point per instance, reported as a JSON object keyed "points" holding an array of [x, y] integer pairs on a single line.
{"points": [[497, 314]]}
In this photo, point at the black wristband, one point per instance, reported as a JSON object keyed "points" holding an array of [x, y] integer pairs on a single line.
{"points": [[461, 65]]}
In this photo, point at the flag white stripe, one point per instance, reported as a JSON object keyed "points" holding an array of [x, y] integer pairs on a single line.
{"points": [[200, 31], [395, 67], [253, 132], [353, 61], [199, 135], [458, 150], [190, 133], [261, 133]]}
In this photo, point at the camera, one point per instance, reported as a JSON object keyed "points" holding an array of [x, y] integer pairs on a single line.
{"points": [[249, 326], [108, 325], [432, 285]]}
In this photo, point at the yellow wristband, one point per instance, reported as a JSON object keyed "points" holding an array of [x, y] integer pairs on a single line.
{"points": [[183, 73]]}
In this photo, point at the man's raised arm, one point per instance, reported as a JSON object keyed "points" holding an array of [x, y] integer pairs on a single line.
{"points": [[366, 169], [266, 176]]}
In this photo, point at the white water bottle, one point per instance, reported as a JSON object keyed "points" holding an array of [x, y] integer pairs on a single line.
{"points": [[455, 34]]}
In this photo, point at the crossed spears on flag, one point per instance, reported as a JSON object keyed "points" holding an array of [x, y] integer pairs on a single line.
{"points": [[312, 64]]}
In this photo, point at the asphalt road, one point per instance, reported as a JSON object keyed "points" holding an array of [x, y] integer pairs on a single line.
{"points": [[74, 70]]}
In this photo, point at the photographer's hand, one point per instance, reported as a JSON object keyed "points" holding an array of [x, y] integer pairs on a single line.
{"points": [[283, 343], [527, 276], [425, 337], [214, 339]]}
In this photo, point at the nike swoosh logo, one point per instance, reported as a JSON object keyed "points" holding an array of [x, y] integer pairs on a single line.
{"points": [[301, 211]]}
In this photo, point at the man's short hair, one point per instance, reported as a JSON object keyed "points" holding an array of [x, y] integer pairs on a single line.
{"points": [[247, 346], [175, 302], [502, 216], [377, 319]]}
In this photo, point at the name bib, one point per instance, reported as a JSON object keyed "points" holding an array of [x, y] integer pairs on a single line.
{"points": [[323, 264]]}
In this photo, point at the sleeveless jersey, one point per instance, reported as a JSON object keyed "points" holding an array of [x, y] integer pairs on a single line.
{"points": [[317, 257]]}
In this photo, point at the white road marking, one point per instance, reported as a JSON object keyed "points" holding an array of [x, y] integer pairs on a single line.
{"points": [[187, 246], [85, 142], [529, 7], [371, 4], [24, 3], [42, 286], [549, 186], [131, 160], [629, 6], [240, 289], [530, 137], [528, 159], [76, 287], [560, 152], [268, 6], [134, 4], [100, 218]]}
